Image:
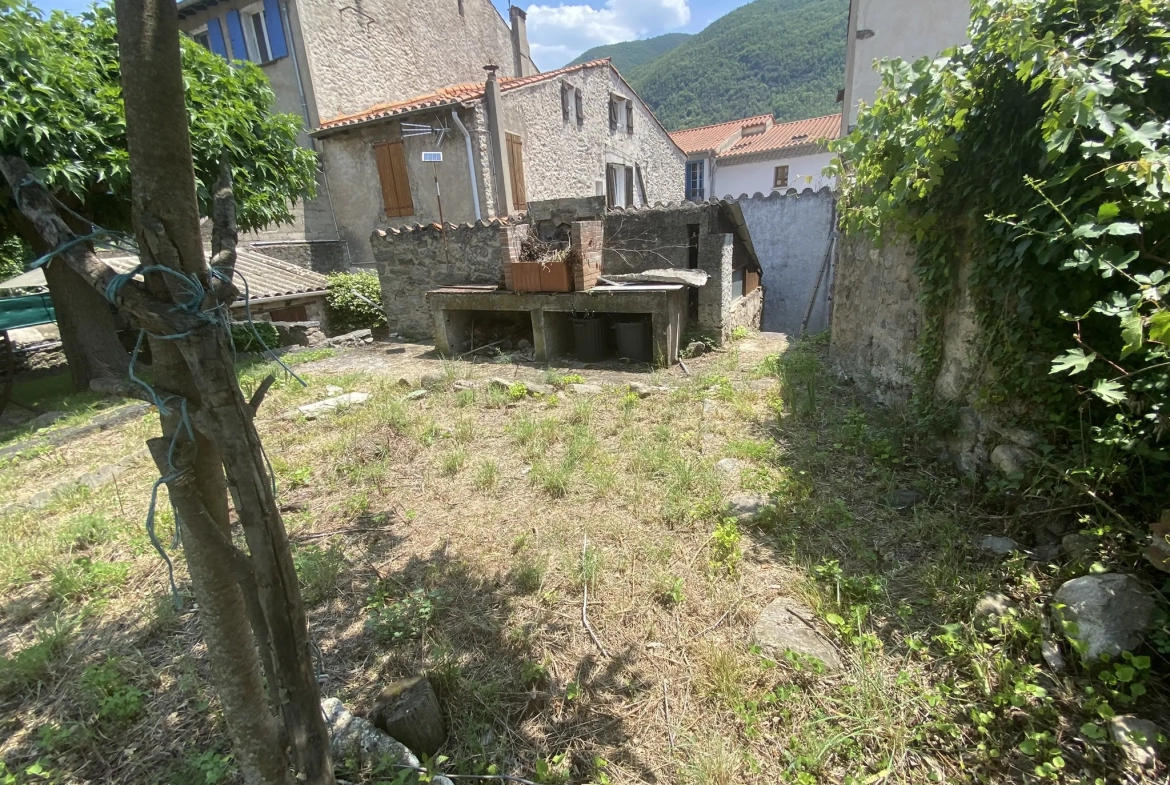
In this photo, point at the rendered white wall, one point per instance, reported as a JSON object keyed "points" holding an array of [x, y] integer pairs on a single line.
{"points": [[758, 177]]}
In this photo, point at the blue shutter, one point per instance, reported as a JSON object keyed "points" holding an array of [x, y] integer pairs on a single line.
{"points": [[273, 21], [215, 38], [236, 35]]}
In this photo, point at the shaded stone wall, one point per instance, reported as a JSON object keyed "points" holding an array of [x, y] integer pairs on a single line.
{"points": [[320, 257], [744, 312], [656, 237], [411, 262], [791, 234]]}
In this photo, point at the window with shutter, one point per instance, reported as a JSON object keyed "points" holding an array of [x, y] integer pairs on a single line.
{"points": [[516, 171], [613, 114], [781, 178], [565, 91], [629, 187], [580, 107], [390, 158], [611, 186], [629, 117]]}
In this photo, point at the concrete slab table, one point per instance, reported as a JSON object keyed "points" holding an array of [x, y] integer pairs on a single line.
{"points": [[454, 308]]}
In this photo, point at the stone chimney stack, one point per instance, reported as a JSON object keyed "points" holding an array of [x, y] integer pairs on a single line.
{"points": [[521, 54], [491, 102]]}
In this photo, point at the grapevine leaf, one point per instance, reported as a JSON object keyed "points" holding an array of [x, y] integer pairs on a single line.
{"points": [[1109, 391], [1074, 361], [1131, 333], [1160, 327]]}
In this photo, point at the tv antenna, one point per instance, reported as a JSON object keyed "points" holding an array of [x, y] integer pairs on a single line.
{"points": [[439, 130]]}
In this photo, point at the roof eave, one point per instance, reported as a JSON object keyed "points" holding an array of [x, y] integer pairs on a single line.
{"points": [[332, 130], [773, 153]]}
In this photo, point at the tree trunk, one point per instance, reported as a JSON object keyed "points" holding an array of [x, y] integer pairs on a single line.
{"points": [[89, 332], [166, 223]]}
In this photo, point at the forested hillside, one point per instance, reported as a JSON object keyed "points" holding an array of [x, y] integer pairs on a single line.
{"points": [[781, 56], [628, 55]]}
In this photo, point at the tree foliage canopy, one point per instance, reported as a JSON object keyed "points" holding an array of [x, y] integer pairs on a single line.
{"points": [[1041, 153], [628, 55], [61, 110], [783, 57]]}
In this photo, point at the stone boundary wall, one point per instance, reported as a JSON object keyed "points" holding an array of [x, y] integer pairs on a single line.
{"points": [[792, 232], [745, 312], [413, 260]]}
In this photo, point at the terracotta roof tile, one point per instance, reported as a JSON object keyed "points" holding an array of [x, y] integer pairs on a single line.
{"points": [[783, 135], [449, 96], [710, 137]]}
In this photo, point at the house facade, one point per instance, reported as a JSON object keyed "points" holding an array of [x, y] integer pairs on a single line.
{"points": [[757, 156], [908, 29], [491, 147], [327, 59]]}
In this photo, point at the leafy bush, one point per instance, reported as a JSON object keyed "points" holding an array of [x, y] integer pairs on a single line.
{"points": [[355, 301], [1067, 104], [403, 618], [107, 687], [257, 337]]}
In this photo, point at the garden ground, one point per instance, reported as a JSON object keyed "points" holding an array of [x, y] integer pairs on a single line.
{"points": [[454, 534]]}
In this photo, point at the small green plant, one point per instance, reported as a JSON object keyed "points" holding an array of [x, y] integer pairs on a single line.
{"points": [[552, 477], [355, 301], [465, 398], [582, 412], [528, 575], [553, 770], [396, 619], [798, 370], [669, 590], [533, 674], [83, 578], [207, 768], [589, 567], [32, 665], [465, 430], [629, 402], [319, 570], [725, 546], [517, 392], [487, 475], [453, 462], [108, 689], [740, 333], [86, 531], [497, 398]]}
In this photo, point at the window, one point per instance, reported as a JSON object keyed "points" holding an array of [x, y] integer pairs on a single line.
{"points": [[566, 98], [781, 179], [738, 281], [202, 37], [391, 161], [629, 117], [295, 313], [619, 185], [461, 7], [613, 113], [516, 171], [580, 102], [256, 33], [695, 180]]}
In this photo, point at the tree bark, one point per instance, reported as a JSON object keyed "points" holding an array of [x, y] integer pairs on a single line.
{"points": [[89, 332], [167, 227]]}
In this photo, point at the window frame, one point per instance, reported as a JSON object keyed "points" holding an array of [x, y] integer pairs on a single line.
{"points": [[691, 168], [780, 176], [202, 36], [248, 15]]}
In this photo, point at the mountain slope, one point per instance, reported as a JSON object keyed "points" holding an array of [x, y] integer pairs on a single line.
{"points": [[628, 55], [786, 57]]}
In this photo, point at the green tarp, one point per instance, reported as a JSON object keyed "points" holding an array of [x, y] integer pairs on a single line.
{"points": [[27, 311]]}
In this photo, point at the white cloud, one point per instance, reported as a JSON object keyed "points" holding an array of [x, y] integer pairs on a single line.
{"points": [[559, 33]]}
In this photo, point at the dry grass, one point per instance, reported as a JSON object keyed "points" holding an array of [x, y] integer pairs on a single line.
{"points": [[454, 530]]}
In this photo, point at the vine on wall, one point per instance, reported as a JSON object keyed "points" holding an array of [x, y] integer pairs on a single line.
{"points": [[1040, 152]]}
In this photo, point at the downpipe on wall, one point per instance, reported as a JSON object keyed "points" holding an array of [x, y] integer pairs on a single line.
{"points": [[470, 163]]}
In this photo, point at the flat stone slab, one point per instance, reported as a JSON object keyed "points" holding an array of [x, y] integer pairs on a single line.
{"points": [[729, 466], [786, 625], [746, 506], [312, 411], [584, 389], [999, 546]]}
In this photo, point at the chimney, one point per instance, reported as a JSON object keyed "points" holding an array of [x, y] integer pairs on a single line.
{"points": [[521, 54], [491, 102]]}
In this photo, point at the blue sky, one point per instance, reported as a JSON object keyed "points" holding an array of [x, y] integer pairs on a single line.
{"points": [[560, 31]]}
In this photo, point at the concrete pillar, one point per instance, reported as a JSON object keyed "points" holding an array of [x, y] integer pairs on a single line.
{"points": [[492, 108], [521, 53]]}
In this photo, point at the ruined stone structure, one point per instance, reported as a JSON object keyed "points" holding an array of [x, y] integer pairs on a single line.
{"points": [[327, 59], [712, 237]]}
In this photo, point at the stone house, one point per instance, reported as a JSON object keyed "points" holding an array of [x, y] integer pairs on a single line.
{"points": [[328, 59], [504, 141], [908, 29], [757, 156]]}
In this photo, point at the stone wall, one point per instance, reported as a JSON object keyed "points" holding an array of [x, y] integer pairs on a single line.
{"points": [[744, 312], [791, 233], [413, 261], [320, 257], [656, 237]]}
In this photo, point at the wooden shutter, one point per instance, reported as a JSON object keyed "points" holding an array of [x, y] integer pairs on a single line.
{"points": [[629, 117], [580, 102], [391, 160], [236, 36], [610, 186], [275, 27], [629, 186], [613, 114], [565, 90], [516, 171]]}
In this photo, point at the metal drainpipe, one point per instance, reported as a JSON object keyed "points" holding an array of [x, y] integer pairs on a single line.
{"points": [[470, 164]]}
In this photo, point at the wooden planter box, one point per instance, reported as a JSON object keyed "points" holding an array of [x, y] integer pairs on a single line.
{"points": [[555, 277]]}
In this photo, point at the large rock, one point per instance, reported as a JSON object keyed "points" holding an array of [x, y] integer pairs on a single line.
{"points": [[1011, 460], [356, 739], [1104, 614], [356, 338], [584, 389], [312, 411], [745, 507], [1141, 740], [999, 546], [786, 625], [409, 711]]}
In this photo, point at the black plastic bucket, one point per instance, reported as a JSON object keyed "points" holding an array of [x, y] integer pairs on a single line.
{"points": [[633, 341], [590, 339]]}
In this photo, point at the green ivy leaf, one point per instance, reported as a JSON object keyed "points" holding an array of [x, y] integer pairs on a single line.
{"points": [[1131, 333], [1160, 327], [1074, 361]]}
